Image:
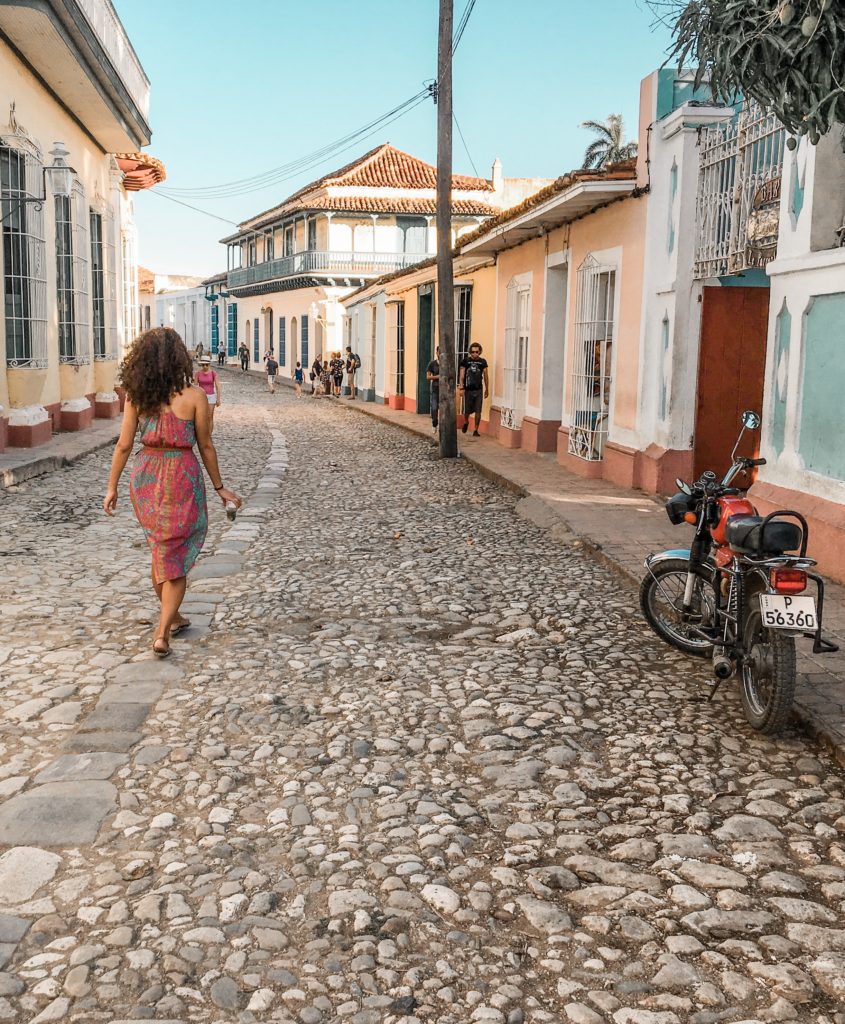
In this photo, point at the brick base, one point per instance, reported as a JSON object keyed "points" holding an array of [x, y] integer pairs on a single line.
{"points": [[31, 436], [539, 435], [77, 420], [54, 411], [396, 401], [4, 433], [121, 394], [509, 438], [107, 410]]}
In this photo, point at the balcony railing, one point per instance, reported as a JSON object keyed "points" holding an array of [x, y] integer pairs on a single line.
{"points": [[104, 21], [336, 264]]}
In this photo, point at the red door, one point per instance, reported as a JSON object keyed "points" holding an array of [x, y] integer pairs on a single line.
{"points": [[731, 368]]}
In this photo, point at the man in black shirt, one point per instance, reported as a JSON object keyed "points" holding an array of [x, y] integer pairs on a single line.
{"points": [[432, 375], [474, 384]]}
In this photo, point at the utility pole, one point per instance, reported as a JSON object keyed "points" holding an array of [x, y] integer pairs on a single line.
{"points": [[445, 290]]}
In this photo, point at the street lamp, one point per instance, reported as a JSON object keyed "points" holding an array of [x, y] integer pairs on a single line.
{"points": [[61, 179]]}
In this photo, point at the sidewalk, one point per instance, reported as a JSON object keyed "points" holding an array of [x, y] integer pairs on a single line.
{"points": [[621, 527], [19, 464]]}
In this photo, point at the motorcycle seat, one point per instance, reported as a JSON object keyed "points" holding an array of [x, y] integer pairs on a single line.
{"points": [[743, 535]]}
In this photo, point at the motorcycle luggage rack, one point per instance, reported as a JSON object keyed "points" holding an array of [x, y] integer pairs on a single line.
{"points": [[820, 645]]}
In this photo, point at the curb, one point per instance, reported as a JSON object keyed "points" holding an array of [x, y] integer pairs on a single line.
{"points": [[50, 463], [813, 724]]}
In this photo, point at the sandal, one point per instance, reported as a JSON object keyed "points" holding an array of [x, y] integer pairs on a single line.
{"points": [[179, 627], [157, 651]]}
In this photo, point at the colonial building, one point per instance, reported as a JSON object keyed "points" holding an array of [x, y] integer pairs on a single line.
{"points": [[291, 267], [177, 301], [68, 72]]}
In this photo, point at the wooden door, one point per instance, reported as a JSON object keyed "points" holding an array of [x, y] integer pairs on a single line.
{"points": [[731, 369]]}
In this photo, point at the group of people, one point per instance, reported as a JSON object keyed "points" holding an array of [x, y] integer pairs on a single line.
{"points": [[327, 375]]}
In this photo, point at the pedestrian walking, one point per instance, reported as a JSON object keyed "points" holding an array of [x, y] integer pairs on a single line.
{"points": [[353, 363], [243, 355], [337, 375], [272, 368], [166, 486], [298, 379], [474, 384], [209, 381], [432, 375], [316, 372], [221, 355], [326, 378], [199, 352]]}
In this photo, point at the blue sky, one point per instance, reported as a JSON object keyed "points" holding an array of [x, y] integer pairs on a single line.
{"points": [[238, 89]]}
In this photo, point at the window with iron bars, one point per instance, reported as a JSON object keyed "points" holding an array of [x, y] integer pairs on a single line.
{"points": [[104, 306], [463, 321], [24, 254], [130, 288], [399, 347], [72, 277], [282, 341]]}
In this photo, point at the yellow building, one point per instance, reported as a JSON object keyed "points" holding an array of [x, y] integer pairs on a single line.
{"points": [[290, 269], [67, 72]]}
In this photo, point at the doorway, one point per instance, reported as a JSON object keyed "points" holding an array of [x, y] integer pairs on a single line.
{"points": [[731, 370], [425, 344]]}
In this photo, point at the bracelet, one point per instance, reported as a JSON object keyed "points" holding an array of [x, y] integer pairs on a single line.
{"points": [[220, 488]]}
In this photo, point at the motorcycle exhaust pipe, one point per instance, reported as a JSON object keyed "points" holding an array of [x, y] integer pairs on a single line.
{"points": [[723, 667]]}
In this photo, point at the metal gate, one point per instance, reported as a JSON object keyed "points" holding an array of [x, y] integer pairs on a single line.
{"points": [[592, 354], [740, 164]]}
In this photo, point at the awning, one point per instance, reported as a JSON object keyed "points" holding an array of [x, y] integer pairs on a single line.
{"points": [[579, 199]]}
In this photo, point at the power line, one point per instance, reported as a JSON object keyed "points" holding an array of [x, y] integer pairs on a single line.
{"points": [[462, 24], [162, 195], [294, 167], [466, 147]]}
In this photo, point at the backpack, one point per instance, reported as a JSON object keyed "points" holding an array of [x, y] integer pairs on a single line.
{"points": [[356, 361]]}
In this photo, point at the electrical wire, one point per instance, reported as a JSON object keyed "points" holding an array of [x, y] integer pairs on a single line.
{"points": [[466, 147], [462, 24], [161, 195], [286, 171]]}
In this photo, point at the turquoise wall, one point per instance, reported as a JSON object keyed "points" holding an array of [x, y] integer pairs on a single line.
{"points": [[823, 386], [780, 377]]}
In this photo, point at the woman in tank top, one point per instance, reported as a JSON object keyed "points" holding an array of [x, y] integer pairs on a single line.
{"points": [[209, 381]]}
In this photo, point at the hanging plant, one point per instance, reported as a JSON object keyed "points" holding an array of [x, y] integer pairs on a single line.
{"points": [[788, 55]]}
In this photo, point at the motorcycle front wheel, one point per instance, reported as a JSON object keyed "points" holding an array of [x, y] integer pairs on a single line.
{"points": [[767, 676], [662, 600]]}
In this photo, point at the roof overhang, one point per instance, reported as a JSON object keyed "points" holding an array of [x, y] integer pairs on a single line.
{"points": [[576, 201]]}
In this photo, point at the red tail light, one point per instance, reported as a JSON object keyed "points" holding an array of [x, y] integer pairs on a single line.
{"points": [[788, 581]]}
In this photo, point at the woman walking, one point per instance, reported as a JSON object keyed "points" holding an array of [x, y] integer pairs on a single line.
{"points": [[209, 381], [166, 486]]}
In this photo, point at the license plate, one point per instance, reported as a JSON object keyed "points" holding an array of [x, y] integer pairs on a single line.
{"points": [[782, 612]]}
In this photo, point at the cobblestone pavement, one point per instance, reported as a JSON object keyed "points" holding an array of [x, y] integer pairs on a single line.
{"points": [[417, 761]]}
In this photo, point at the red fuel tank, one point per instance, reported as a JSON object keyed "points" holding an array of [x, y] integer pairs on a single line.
{"points": [[730, 507]]}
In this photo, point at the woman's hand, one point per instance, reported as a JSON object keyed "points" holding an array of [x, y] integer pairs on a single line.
{"points": [[110, 501], [227, 495]]}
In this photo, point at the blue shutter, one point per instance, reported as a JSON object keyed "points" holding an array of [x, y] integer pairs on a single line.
{"points": [[255, 350], [232, 326], [215, 328], [282, 340], [304, 333]]}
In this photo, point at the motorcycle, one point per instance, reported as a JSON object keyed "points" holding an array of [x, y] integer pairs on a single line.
{"points": [[737, 595]]}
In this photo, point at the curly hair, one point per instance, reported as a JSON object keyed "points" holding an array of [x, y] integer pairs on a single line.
{"points": [[156, 368]]}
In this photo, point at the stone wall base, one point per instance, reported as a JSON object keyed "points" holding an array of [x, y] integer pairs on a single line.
{"points": [[539, 435], [77, 420], [4, 433], [396, 401], [30, 436], [107, 410], [54, 411]]}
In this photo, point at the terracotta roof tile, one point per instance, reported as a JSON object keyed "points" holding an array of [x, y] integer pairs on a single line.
{"points": [[467, 207], [383, 167]]}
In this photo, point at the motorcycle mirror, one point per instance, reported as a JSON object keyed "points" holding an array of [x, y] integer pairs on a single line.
{"points": [[682, 487], [750, 419]]}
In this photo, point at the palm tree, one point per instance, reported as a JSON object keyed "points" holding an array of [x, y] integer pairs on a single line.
{"points": [[608, 147]]}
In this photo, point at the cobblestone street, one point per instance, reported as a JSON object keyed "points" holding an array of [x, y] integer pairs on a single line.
{"points": [[416, 760]]}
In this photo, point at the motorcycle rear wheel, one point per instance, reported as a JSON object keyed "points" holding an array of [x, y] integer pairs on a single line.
{"points": [[768, 673], [661, 601]]}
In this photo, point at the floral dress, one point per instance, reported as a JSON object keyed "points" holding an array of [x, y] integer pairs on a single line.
{"points": [[168, 494]]}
